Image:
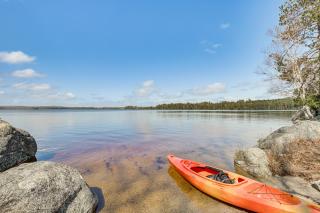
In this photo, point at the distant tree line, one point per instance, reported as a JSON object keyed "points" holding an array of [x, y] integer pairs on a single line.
{"points": [[274, 104]]}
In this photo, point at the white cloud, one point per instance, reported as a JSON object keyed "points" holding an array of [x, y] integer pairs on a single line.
{"points": [[216, 45], [26, 73], [15, 57], [70, 95], [146, 89], [62, 96], [210, 89], [149, 94], [211, 51], [225, 25], [2, 92], [32, 86], [210, 47]]}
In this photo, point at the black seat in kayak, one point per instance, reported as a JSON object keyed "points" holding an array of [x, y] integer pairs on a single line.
{"points": [[221, 176]]}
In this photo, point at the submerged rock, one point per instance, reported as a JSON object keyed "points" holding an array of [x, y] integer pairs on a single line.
{"points": [[16, 146], [305, 113], [252, 162], [44, 187]]}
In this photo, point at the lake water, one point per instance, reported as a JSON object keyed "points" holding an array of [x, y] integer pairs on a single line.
{"points": [[122, 154]]}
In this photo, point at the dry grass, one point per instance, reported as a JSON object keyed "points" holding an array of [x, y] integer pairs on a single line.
{"points": [[301, 158]]}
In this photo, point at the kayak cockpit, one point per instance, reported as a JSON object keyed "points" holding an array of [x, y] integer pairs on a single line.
{"points": [[217, 174]]}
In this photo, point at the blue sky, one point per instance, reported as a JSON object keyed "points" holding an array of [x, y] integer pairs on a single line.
{"points": [[121, 52]]}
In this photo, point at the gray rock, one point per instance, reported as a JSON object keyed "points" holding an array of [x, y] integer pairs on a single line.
{"points": [[316, 185], [296, 186], [252, 162], [16, 146], [44, 187], [279, 140], [305, 113]]}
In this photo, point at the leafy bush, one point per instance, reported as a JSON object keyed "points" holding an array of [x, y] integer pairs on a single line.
{"points": [[313, 102]]}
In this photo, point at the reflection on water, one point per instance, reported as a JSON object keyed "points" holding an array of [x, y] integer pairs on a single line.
{"points": [[122, 154]]}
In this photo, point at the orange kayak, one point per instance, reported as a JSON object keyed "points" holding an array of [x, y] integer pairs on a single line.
{"points": [[239, 191]]}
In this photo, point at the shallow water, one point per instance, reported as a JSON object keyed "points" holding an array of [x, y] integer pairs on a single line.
{"points": [[122, 154]]}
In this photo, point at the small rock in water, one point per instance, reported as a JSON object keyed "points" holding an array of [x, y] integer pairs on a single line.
{"points": [[108, 165], [160, 160]]}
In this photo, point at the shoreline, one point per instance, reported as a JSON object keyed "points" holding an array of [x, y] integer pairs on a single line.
{"points": [[124, 109]]}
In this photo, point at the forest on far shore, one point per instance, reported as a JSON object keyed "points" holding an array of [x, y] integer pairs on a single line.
{"points": [[273, 104]]}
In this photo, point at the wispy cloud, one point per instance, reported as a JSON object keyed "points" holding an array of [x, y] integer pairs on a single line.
{"points": [[148, 93], [26, 73], [225, 25], [62, 95], [210, 47], [245, 86], [29, 91], [146, 89], [209, 89], [167, 96], [32, 86], [15, 57]]}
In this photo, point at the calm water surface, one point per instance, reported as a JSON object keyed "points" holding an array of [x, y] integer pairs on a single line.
{"points": [[122, 154]]}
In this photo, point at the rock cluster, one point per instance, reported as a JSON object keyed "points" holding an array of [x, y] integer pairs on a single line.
{"points": [[279, 144], [37, 186], [288, 155]]}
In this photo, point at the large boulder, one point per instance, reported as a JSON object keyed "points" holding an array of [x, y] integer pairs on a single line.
{"points": [[252, 162], [44, 187], [305, 113], [294, 150], [16, 146], [279, 140]]}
